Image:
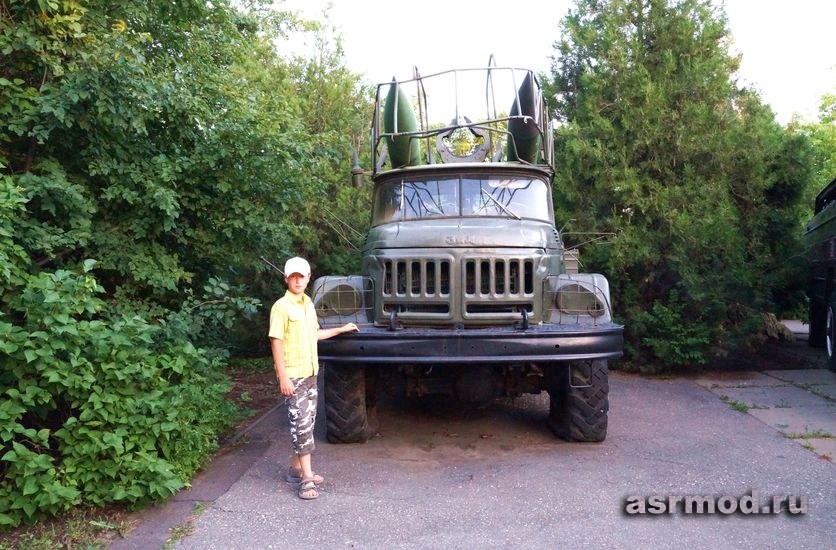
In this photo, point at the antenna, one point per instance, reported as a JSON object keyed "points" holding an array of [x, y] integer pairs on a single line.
{"points": [[268, 262]]}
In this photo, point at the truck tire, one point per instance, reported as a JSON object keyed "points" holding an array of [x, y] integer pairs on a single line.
{"points": [[818, 324], [350, 413], [830, 339], [578, 410]]}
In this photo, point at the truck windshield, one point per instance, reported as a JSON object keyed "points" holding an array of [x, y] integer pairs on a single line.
{"points": [[468, 196]]}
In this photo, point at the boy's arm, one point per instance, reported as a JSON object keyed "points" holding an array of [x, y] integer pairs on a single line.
{"points": [[325, 333], [285, 385]]}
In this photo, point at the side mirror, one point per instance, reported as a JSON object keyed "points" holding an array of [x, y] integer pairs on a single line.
{"points": [[356, 171]]}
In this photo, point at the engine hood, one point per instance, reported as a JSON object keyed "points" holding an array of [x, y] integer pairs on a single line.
{"points": [[463, 233]]}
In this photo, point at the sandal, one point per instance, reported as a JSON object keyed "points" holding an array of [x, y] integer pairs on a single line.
{"points": [[295, 476], [308, 490]]}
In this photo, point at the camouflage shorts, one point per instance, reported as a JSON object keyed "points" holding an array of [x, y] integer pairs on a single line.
{"points": [[301, 410]]}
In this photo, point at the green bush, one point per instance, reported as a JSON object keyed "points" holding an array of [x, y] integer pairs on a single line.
{"points": [[97, 410]]}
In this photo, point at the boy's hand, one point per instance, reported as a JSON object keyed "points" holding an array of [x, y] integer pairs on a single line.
{"points": [[285, 385], [349, 327]]}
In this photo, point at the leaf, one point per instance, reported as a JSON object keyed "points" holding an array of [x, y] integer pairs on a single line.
{"points": [[30, 486]]}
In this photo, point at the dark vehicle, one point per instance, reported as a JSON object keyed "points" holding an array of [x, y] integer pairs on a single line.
{"points": [[820, 252], [466, 288]]}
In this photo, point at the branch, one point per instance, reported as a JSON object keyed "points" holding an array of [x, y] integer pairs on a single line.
{"points": [[206, 303]]}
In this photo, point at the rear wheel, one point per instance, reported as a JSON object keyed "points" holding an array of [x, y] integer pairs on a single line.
{"points": [[818, 324], [350, 412], [830, 339], [579, 401]]}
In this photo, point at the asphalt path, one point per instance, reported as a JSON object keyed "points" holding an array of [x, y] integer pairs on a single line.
{"points": [[439, 476]]}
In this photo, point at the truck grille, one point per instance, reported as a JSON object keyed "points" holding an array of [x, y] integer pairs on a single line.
{"points": [[498, 277], [416, 278], [493, 290], [417, 288]]}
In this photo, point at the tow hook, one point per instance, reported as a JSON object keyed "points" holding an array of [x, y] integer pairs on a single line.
{"points": [[393, 320], [524, 323]]}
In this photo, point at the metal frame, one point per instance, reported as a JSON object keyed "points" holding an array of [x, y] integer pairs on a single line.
{"points": [[489, 126]]}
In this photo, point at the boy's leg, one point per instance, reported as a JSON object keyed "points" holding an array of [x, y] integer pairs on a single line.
{"points": [[305, 461], [301, 410]]}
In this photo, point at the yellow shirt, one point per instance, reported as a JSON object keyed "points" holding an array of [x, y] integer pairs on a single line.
{"points": [[293, 321]]}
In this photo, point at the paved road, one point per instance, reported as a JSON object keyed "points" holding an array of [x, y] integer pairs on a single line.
{"points": [[498, 478]]}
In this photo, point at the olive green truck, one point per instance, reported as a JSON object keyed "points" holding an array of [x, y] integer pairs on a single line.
{"points": [[819, 241], [466, 287]]}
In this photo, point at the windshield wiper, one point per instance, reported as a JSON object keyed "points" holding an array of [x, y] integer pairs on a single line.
{"points": [[499, 204]]}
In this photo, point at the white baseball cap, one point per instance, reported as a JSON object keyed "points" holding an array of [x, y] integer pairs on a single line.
{"points": [[297, 265]]}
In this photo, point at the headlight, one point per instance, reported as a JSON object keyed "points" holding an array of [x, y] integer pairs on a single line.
{"points": [[574, 299], [341, 299]]}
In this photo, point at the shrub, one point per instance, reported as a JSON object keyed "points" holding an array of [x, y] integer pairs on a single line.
{"points": [[97, 410]]}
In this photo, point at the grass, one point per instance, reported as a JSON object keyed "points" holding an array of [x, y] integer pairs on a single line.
{"points": [[79, 528], [815, 434], [183, 530], [253, 364], [738, 405]]}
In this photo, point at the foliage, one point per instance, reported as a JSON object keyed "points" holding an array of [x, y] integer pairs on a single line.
{"points": [[327, 224], [96, 410], [822, 136], [150, 153], [336, 108], [693, 176]]}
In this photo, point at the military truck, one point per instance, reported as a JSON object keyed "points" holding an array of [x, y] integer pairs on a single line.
{"points": [[819, 242], [466, 289]]}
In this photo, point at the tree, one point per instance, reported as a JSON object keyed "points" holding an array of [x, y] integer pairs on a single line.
{"points": [[822, 136], [150, 153], [692, 175], [337, 109]]}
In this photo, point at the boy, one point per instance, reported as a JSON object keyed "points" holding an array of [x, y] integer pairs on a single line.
{"points": [[294, 332]]}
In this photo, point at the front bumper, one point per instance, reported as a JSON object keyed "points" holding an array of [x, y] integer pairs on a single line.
{"points": [[540, 343]]}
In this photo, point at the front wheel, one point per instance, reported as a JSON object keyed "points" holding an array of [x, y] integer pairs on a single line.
{"points": [[349, 404], [579, 401]]}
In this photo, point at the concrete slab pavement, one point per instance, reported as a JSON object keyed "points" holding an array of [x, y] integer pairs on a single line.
{"points": [[804, 377], [800, 329], [779, 397], [799, 422], [737, 379], [825, 390], [824, 446], [799, 403]]}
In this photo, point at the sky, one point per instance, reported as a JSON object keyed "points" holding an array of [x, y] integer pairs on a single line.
{"points": [[788, 53]]}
